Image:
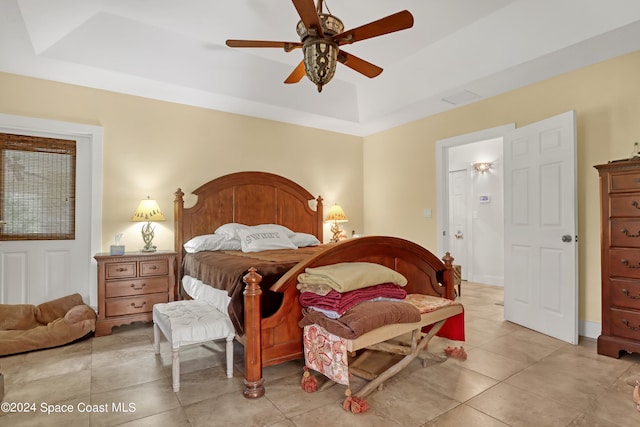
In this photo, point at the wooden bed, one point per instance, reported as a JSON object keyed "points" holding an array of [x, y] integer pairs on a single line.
{"points": [[254, 198]]}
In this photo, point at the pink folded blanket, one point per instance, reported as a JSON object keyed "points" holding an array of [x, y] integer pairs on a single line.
{"points": [[341, 302]]}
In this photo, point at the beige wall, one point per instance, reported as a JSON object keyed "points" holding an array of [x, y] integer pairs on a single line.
{"points": [[399, 164], [152, 148]]}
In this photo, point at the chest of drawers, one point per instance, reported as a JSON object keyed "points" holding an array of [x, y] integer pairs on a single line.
{"points": [[129, 285], [620, 240]]}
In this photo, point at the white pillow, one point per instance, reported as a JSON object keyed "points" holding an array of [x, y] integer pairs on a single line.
{"points": [[211, 242], [265, 228], [231, 229], [256, 241], [302, 240]]}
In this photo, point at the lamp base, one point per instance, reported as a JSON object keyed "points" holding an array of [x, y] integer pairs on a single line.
{"points": [[147, 236], [338, 233]]}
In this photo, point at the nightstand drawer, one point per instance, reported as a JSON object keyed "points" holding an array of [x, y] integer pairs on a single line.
{"points": [[120, 288], [154, 268], [120, 270], [133, 305], [625, 323]]}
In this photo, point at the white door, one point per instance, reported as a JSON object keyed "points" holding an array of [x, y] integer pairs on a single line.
{"points": [[458, 218], [541, 284], [32, 272]]}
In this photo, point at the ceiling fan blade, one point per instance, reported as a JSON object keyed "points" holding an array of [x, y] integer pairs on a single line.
{"points": [[297, 74], [287, 46], [392, 23], [309, 15], [359, 65]]}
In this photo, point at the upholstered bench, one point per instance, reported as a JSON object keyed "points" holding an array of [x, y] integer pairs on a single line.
{"points": [[191, 322]]}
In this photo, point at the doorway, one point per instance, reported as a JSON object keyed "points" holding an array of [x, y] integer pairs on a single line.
{"points": [[35, 271], [540, 254], [476, 208]]}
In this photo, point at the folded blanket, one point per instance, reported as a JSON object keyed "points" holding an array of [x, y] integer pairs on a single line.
{"points": [[349, 276], [363, 318], [341, 302], [319, 288]]}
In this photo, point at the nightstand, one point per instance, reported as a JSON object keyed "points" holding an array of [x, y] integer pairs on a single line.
{"points": [[130, 284]]}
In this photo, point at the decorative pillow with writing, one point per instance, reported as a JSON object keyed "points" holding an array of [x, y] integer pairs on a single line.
{"points": [[256, 241], [274, 228]]}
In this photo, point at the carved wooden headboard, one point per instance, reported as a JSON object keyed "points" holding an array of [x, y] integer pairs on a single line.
{"points": [[249, 198]]}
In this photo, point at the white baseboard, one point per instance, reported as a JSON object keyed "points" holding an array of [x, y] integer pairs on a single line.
{"points": [[589, 329]]}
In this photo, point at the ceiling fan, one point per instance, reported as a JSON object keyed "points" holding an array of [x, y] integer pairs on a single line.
{"points": [[321, 35]]}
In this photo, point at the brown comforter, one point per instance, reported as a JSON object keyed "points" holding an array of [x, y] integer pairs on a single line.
{"points": [[225, 269]]}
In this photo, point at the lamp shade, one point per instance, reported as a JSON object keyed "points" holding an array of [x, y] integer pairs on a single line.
{"points": [[336, 214], [148, 210]]}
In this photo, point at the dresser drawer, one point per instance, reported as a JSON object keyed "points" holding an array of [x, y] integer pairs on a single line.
{"points": [[133, 305], [120, 270], [625, 323], [154, 268], [625, 263], [625, 205], [120, 288], [625, 232], [625, 182], [624, 293]]}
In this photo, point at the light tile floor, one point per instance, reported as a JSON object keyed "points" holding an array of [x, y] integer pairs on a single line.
{"points": [[512, 377]]}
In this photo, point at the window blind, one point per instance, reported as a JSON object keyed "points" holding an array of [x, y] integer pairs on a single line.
{"points": [[37, 188]]}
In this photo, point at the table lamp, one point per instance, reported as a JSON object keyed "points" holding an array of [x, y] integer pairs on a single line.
{"points": [[148, 210], [336, 216]]}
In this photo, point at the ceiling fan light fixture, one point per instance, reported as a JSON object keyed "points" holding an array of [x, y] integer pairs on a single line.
{"points": [[322, 35], [320, 59]]}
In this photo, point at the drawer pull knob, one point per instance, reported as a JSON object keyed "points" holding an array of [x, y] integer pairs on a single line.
{"points": [[633, 328], [626, 292], [626, 262], [133, 286], [133, 304], [626, 233], [635, 204], [121, 269], [153, 267]]}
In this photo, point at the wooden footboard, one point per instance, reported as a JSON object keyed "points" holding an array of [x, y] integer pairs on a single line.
{"points": [[278, 338]]}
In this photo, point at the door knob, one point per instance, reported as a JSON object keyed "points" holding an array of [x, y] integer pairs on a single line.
{"points": [[458, 235], [567, 238]]}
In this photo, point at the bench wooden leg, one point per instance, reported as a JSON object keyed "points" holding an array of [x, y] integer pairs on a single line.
{"points": [[409, 352]]}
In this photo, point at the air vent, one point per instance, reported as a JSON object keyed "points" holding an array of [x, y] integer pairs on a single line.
{"points": [[462, 97]]}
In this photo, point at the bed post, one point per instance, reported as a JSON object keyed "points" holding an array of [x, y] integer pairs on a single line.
{"points": [[253, 381], [320, 219], [448, 275], [178, 207]]}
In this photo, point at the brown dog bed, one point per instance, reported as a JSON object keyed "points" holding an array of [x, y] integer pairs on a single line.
{"points": [[26, 327]]}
